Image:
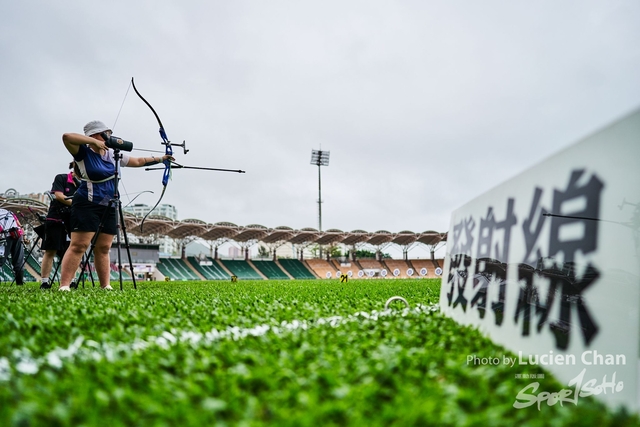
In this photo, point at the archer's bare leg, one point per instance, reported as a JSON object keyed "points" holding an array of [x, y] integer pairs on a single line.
{"points": [[101, 258], [80, 241], [47, 263]]}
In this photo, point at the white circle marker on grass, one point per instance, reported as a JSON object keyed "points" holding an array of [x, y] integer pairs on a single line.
{"points": [[392, 299]]}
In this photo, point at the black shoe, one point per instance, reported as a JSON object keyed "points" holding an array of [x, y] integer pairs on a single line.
{"points": [[73, 284], [45, 285]]}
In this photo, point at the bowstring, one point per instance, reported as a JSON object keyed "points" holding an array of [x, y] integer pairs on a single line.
{"points": [[113, 127], [121, 106]]}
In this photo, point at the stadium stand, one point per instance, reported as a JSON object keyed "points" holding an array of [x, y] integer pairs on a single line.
{"points": [[296, 269], [222, 267], [176, 269], [323, 268], [270, 269], [192, 268], [349, 266], [113, 273], [401, 265], [32, 269], [241, 269], [250, 262], [168, 270], [33, 263], [374, 265], [28, 277], [419, 264], [7, 274], [210, 269], [371, 264], [357, 263], [283, 270]]}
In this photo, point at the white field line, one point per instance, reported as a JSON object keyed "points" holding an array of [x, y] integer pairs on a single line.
{"points": [[22, 362]]}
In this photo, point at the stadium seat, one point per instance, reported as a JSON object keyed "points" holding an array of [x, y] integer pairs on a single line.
{"points": [[209, 269], [296, 269], [241, 269], [271, 270]]}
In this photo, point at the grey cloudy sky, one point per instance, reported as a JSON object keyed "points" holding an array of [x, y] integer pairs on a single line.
{"points": [[423, 104]]}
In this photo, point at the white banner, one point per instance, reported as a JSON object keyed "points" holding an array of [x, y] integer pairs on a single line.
{"points": [[548, 265]]}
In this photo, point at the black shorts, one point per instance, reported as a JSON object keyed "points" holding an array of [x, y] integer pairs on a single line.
{"points": [[86, 216], [55, 236]]}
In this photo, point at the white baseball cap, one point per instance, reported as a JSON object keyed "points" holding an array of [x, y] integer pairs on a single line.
{"points": [[94, 127]]}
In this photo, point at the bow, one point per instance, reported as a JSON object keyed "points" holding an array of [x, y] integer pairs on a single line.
{"points": [[168, 163], [168, 151]]}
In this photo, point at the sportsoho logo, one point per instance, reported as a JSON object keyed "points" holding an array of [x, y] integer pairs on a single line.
{"points": [[579, 386], [529, 395]]}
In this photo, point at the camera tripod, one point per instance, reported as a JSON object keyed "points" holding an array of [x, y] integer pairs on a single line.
{"points": [[114, 202]]}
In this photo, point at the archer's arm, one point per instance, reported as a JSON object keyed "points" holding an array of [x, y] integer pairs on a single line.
{"points": [[73, 140], [137, 162], [60, 197]]}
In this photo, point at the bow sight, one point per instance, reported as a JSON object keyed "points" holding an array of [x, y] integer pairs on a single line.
{"points": [[171, 144]]}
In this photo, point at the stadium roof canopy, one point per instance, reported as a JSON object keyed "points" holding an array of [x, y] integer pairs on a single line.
{"points": [[405, 238], [304, 236], [380, 237], [26, 206], [431, 237], [251, 232], [186, 228], [220, 230], [355, 237], [279, 234], [329, 237], [154, 224]]}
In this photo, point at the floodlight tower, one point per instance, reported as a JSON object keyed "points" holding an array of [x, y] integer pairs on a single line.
{"points": [[319, 158]]}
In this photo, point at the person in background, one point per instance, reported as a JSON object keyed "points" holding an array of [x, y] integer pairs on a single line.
{"points": [[57, 230], [11, 243], [96, 164]]}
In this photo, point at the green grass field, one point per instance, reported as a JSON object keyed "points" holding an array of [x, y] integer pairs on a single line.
{"points": [[291, 353]]}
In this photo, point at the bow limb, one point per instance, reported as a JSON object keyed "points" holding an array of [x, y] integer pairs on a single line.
{"points": [[163, 135], [168, 152], [165, 181], [152, 209]]}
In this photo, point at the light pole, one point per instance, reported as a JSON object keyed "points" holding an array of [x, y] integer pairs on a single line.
{"points": [[319, 158]]}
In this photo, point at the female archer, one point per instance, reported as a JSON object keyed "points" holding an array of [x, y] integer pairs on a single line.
{"points": [[93, 201]]}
